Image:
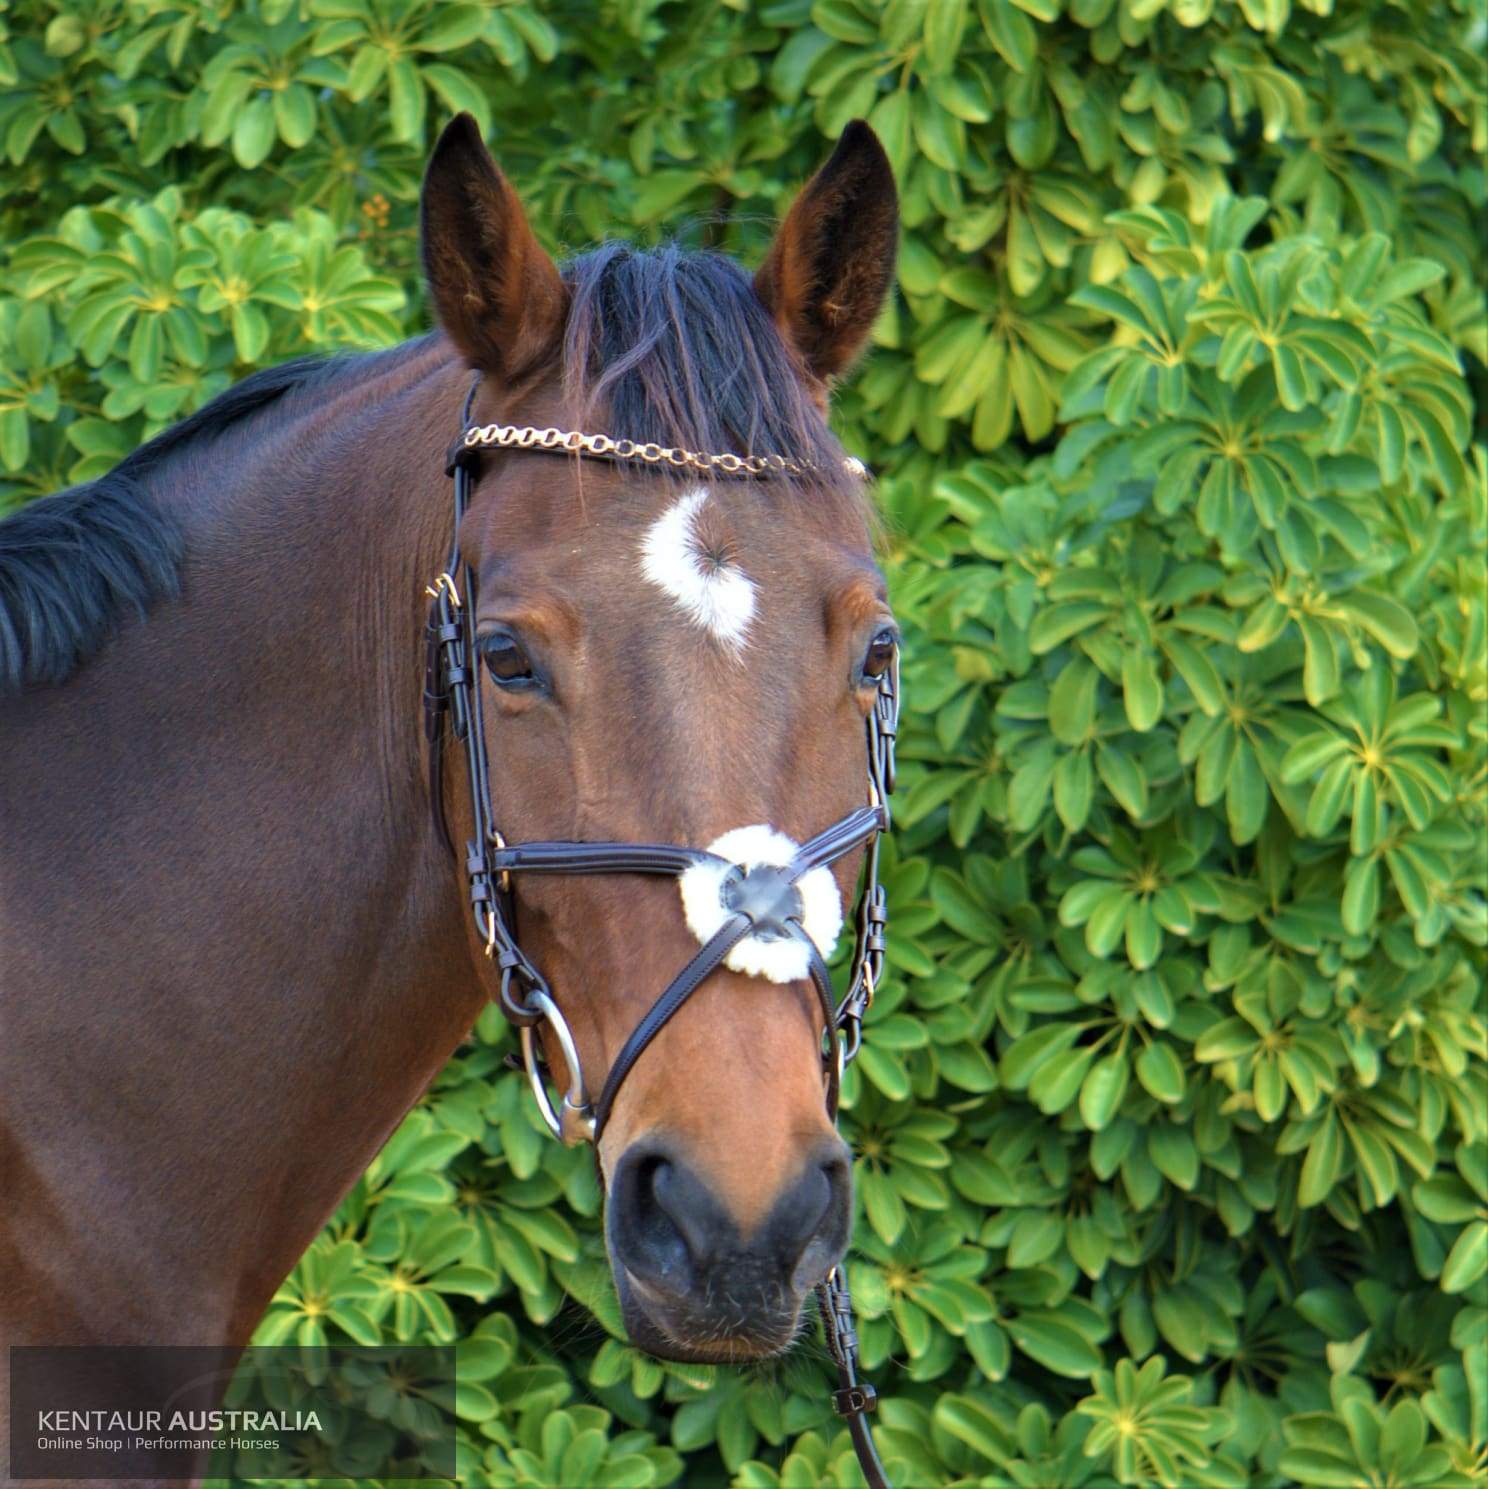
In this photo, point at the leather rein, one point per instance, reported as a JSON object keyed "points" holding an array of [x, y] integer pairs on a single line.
{"points": [[760, 899]]}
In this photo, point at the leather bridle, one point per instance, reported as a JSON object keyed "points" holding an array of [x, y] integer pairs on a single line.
{"points": [[761, 900]]}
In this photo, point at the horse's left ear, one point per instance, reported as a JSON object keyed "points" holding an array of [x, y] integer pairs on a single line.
{"points": [[831, 265]]}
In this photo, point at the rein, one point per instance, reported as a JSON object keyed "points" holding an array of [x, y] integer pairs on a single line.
{"points": [[760, 899]]}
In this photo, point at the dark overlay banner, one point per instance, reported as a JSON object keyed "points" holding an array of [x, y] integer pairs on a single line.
{"points": [[171, 1412]]}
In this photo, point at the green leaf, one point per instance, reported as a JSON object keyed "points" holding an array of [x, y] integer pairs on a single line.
{"points": [[253, 133], [1247, 795], [453, 26], [1329, 796], [1036, 1237], [1194, 667], [1055, 1345], [842, 21], [294, 115], [1142, 689], [1059, 622], [1072, 702], [1057, 1082], [1144, 937], [458, 93], [406, 99], [1010, 31], [1320, 677], [250, 330], [662, 191], [944, 22], [1173, 1152], [1309, 755], [1107, 923], [1388, 621], [1403, 1437], [1321, 1167], [1468, 1259], [1368, 823], [1408, 278], [1160, 1072], [939, 133], [794, 61], [15, 438], [1124, 779], [1073, 789], [1265, 623], [1028, 791], [1361, 895], [366, 73], [973, 1423], [1102, 1091], [1291, 378]]}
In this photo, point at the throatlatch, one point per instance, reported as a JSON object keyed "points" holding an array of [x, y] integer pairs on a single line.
{"points": [[768, 897]]}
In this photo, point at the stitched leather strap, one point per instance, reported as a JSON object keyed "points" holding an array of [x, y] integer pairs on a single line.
{"points": [[598, 858], [841, 837], [681, 988]]}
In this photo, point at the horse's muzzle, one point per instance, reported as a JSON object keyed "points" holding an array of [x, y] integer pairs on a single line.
{"points": [[692, 1285]]}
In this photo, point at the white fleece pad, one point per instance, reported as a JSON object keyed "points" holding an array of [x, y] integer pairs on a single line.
{"points": [[777, 961]]}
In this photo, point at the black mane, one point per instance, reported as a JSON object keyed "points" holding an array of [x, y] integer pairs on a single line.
{"points": [[76, 564]]}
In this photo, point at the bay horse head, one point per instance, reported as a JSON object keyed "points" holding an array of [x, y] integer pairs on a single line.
{"points": [[672, 651]]}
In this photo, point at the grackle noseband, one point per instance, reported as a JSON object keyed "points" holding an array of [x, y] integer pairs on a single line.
{"points": [[761, 900]]}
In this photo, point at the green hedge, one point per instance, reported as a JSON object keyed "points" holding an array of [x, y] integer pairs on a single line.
{"points": [[1172, 1117]]}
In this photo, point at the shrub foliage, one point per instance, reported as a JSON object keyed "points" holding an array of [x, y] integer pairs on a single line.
{"points": [[1174, 1152]]}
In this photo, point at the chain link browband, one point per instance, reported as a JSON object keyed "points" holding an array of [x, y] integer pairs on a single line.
{"points": [[602, 447]]}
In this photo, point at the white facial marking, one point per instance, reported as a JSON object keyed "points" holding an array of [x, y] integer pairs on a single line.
{"points": [[717, 597], [776, 961]]}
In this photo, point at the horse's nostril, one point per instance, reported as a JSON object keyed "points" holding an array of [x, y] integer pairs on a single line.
{"points": [[680, 1201], [814, 1220], [658, 1221]]}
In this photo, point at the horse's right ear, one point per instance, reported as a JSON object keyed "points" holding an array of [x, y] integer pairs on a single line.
{"points": [[495, 290]]}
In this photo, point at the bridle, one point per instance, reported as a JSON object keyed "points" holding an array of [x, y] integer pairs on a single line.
{"points": [[760, 900]]}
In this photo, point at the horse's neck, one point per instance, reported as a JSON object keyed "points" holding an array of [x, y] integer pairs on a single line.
{"points": [[260, 958]]}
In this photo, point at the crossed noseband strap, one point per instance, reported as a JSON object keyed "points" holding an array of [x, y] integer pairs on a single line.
{"points": [[759, 901], [760, 904]]}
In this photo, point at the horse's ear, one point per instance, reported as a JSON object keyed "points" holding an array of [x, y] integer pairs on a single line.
{"points": [[831, 265], [495, 291]]}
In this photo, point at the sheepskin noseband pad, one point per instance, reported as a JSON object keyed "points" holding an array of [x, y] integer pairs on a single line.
{"points": [[751, 880]]}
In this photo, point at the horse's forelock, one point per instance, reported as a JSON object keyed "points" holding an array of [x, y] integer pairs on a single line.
{"points": [[674, 347]]}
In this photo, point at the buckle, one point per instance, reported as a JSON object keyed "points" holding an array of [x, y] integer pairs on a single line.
{"points": [[852, 1401], [462, 457]]}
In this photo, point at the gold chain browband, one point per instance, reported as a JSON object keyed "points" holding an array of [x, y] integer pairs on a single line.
{"points": [[570, 441]]}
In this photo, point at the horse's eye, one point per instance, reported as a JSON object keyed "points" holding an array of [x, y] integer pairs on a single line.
{"points": [[880, 655], [506, 661]]}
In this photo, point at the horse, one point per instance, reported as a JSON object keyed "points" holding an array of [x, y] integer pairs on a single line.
{"points": [[234, 945]]}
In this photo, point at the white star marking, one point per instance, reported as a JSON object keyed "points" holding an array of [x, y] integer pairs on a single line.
{"points": [[716, 596]]}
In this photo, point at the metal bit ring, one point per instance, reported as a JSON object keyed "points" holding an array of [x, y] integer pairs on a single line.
{"points": [[573, 1121]]}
